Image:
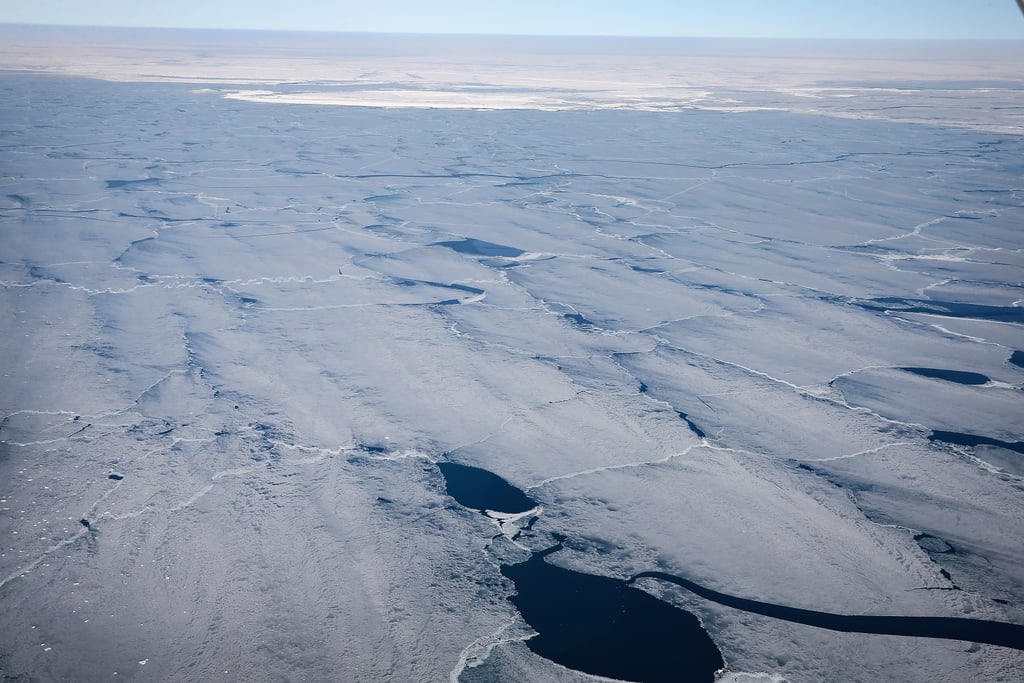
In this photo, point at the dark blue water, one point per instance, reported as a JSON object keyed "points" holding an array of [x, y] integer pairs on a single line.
{"points": [[577, 319], [129, 184], [590, 623], [958, 376], [1017, 358], [441, 285], [457, 287], [934, 545], [606, 627], [479, 489], [480, 248], [949, 628], [951, 309], [689, 423], [961, 439]]}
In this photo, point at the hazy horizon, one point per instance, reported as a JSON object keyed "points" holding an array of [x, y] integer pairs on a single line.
{"points": [[643, 18], [546, 36]]}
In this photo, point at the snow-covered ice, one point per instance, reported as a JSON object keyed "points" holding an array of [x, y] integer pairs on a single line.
{"points": [[242, 325]]}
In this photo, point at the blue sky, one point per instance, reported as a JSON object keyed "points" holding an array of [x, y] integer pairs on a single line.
{"points": [[767, 18]]}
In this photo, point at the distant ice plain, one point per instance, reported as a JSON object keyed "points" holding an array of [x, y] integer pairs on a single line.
{"points": [[230, 292]]}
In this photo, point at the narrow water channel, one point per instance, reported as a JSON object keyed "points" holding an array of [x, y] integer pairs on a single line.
{"points": [[608, 627]]}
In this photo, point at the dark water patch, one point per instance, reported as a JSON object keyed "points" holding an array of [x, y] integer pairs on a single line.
{"points": [[129, 184], [455, 286], [210, 280], [133, 244], [296, 171], [721, 289], [248, 300], [961, 439], [157, 215], [577, 319], [958, 376], [477, 247], [689, 423], [937, 550], [85, 523], [643, 388], [934, 545], [948, 628], [479, 489], [604, 626], [115, 476], [80, 430], [269, 438], [949, 309], [101, 349], [527, 528], [641, 269], [1017, 358], [37, 273], [442, 285], [852, 485], [534, 181]]}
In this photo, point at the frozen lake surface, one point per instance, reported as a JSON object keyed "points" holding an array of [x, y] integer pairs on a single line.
{"points": [[745, 315]]}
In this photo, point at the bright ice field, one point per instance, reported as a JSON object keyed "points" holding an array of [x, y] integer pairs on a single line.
{"points": [[248, 338]]}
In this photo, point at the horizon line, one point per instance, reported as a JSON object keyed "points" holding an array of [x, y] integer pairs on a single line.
{"points": [[212, 29]]}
